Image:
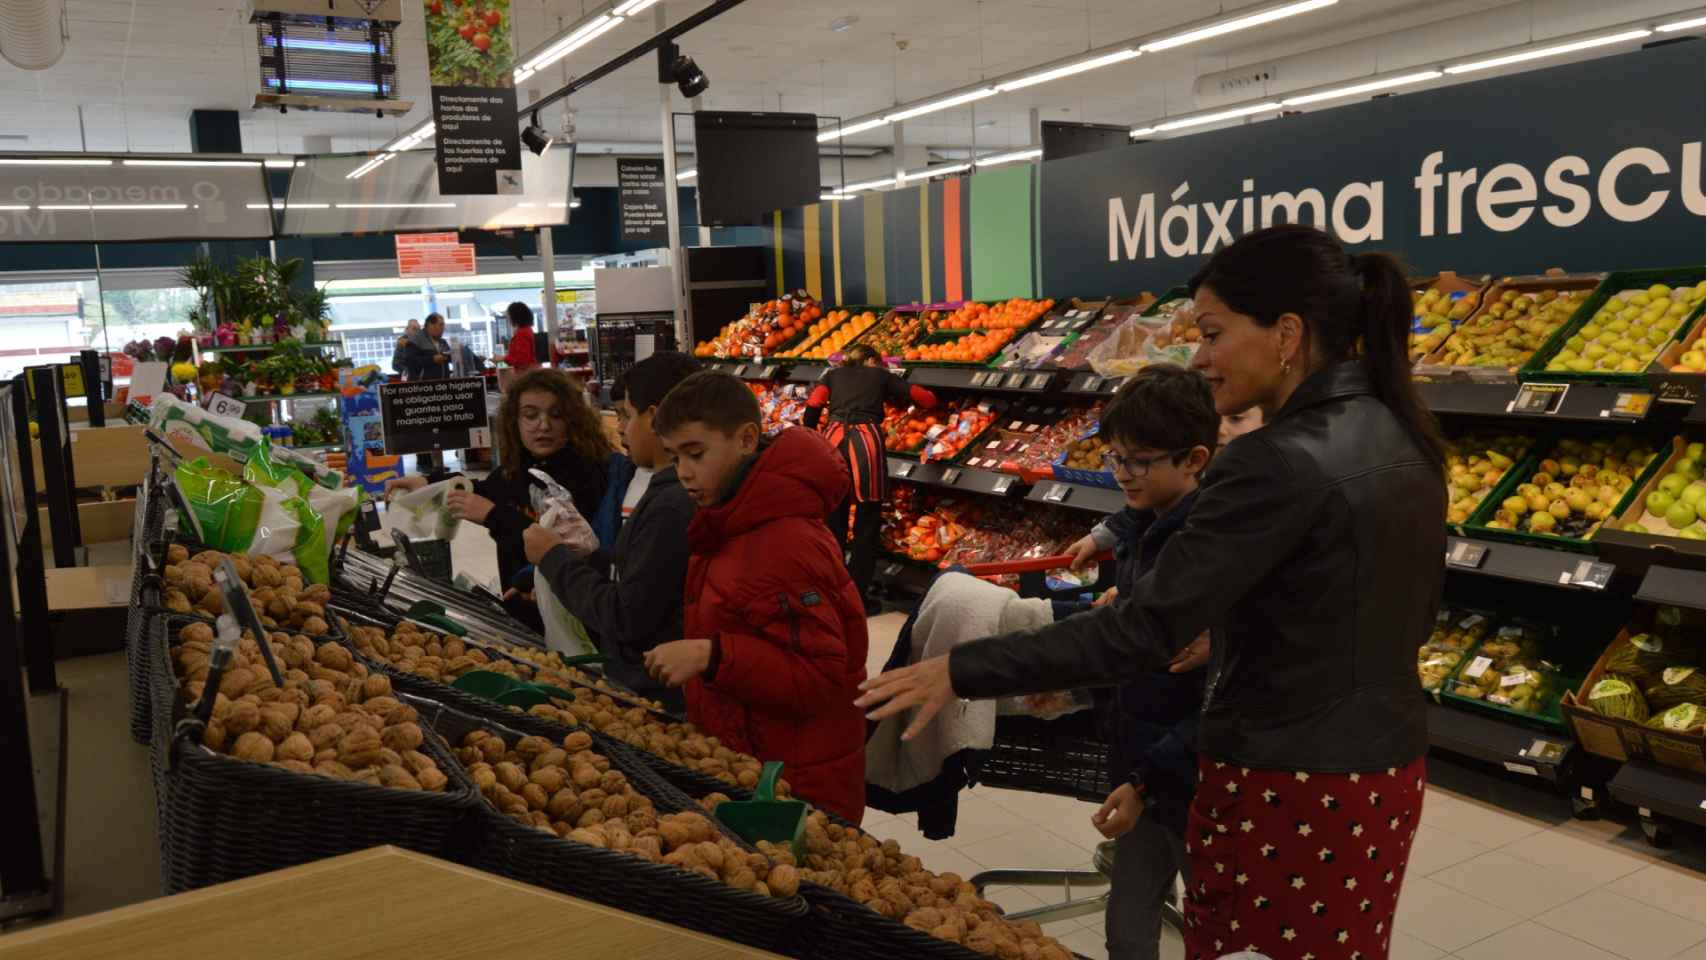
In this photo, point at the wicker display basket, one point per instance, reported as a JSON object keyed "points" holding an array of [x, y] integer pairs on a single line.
{"points": [[222, 819]]}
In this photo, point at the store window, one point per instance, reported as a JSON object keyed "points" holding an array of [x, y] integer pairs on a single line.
{"points": [[48, 320]]}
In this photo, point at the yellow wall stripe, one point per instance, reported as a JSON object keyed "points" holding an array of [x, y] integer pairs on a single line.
{"points": [[814, 251], [835, 246], [924, 238], [776, 231], [876, 278]]}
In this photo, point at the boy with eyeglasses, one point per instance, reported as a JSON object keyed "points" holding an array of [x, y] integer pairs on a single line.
{"points": [[1161, 428]]}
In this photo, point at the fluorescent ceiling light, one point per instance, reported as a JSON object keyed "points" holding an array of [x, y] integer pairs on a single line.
{"points": [[632, 7], [572, 204], [46, 162], [1236, 24], [342, 86], [582, 36], [1360, 88], [394, 206], [1207, 118], [1682, 25], [868, 185], [284, 164], [1082, 66], [281, 205], [192, 163], [942, 104], [687, 174], [827, 196], [940, 171], [328, 46], [114, 206], [14, 206], [847, 130], [999, 158], [1553, 51]]}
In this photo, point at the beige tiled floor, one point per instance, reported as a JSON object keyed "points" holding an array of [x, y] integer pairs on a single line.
{"points": [[1485, 883]]}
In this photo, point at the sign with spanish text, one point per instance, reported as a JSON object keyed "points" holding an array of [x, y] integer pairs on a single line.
{"points": [[643, 201], [1586, 166], [423, 415], [471, 60], [427, 255]]}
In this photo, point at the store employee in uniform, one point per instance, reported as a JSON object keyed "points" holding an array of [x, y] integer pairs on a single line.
{"points": [[854, 394]]}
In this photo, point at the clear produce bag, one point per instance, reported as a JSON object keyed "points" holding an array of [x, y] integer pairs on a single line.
{"points": [[423, 514], [564, 632], [237, 516]]}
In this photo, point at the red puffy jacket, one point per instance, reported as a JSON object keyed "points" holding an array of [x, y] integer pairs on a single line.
{"points": [[767, 580]]}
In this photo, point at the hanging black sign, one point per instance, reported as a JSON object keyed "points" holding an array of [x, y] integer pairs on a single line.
{"points": [[423, 415], [644, 201], [471, 60]]}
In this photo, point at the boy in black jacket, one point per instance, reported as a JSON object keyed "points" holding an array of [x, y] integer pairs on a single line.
{"points": [[638, 605], [1162, 429]]}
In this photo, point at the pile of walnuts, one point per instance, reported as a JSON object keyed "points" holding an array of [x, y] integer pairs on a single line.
{"points": [[896, 885], [571, 791], [278, 591], [331, 717], [680, 743], [424, 653]]}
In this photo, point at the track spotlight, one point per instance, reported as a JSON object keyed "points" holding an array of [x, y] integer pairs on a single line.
{"points": [[535, 137]]}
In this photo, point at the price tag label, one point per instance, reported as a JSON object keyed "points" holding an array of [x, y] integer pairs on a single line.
{"points": [[1091, 383], [768, 372], [1591, 574], [903, 469], [740, 371], [1002, 485], [1466, 554], [1549, 751], [1015, 381], [951, 476], [1682, 394], [221, 405], [1039, 381], [979, 379], [1538, 399], [1113, 386], [891, 570], [1522, 768], [1478, 667], [1632, 405], [1057, 493]]}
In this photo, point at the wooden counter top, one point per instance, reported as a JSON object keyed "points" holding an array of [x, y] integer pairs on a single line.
{"points": [[382, 904]]}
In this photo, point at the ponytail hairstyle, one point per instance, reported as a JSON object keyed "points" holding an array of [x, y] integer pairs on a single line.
{"points": [[1353, 306], [859, 354]]}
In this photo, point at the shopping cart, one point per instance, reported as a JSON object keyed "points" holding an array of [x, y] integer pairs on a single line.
{"points": [[1065, 757]]}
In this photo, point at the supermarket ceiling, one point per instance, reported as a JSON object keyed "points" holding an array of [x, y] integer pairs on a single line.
{"points": [[134, 68]]}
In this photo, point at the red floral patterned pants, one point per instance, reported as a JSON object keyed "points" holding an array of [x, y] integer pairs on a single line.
{"points": [[1298, 866]]}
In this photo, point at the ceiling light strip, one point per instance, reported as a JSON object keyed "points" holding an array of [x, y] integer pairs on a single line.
{"points": [[996, 159], [848, 129], [1370, 86], [1681, 25], [1235, 24], [958, 99], [1207, 118], [1071, 69], [687, 174], [940, 171], [1555, 50]]}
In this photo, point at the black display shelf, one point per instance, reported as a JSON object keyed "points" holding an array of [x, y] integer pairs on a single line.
{"points": [[1091, 385], [758, 370], [1080, 495], [977, 378], [1673, 586], [1519, 749], [908, 576], [807, 372], [1561, 401], [1514, 561], [1663, 791], [953, 477]]}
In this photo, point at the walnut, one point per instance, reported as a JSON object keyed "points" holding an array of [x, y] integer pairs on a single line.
{"points": [[550, 757], [585, 776], [592, 838], [394, 775], [432, 779], [402, 736], [590, 817], [510, 775], [214, 735], [325, 735], [253, 746], [239, 717], [359, 748], [577, 741], [332, 657], [535, 795], [275, 723], [551, 778]]}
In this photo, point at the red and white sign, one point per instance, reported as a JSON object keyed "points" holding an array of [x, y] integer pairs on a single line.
{"points": [[433, 255]]}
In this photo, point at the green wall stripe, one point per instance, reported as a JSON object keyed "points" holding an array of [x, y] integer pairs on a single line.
{"points": [[1001, 234]]}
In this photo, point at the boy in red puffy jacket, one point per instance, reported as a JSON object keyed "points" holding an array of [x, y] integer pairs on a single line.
{"points": [[776, 630]]}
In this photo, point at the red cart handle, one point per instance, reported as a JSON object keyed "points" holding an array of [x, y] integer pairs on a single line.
{"points": [[1033, 564]]}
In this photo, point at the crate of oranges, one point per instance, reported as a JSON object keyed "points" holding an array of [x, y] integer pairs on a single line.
{"points": [[830, 335], [766, 328]]}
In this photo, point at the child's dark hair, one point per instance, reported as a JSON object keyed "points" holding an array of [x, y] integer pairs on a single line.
{"points": [[711, 397], [859, 354], [1351, 304], [646, 383], [520, 314], [1163, 407]]}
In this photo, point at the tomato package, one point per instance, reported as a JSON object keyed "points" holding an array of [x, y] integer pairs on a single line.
{"points": [[765, 329]]}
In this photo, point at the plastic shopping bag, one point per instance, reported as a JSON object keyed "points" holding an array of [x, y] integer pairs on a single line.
{"points": [[564, 632], [423, 514], [558, 513], [240, 517]]}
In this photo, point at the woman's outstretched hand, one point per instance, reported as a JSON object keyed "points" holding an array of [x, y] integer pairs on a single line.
{"points": [[925, 685], [1193, 656]]}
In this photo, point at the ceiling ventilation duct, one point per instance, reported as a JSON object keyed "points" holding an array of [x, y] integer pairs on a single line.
{"points": [[32, 32]]}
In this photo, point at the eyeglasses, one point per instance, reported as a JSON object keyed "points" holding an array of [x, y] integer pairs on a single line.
{"points": [[1137, 467]]}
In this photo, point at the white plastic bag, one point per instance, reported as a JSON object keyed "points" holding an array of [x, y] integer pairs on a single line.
{"points": [[564, 632], [422, 514]]}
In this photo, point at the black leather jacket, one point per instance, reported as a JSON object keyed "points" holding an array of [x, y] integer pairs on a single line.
{"points": [[1314, 554]]}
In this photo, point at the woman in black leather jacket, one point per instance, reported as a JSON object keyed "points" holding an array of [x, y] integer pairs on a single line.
{"points": [[1313, 556]]}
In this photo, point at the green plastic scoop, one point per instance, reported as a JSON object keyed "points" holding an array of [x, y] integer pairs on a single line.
{"points": [[507, 690], [429, 614], [766, 818]]}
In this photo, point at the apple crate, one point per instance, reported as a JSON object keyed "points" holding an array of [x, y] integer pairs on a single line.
{"points": [[1658, 541], [1456, 289], [1434, 365], [1678, 278], [1523, 471], [1619, 739]]}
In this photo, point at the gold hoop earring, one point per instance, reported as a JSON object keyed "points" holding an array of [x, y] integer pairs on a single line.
{"points": [[1285, 366]]}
